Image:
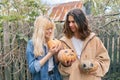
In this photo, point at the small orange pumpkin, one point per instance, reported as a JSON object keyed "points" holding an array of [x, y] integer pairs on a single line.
{"points": [[66, 55], [52, 43]]}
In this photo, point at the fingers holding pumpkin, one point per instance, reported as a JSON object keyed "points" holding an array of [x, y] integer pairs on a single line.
{"points": [[54, 44]]}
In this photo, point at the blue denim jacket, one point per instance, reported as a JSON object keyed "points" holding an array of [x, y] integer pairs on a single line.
{"points": [[38, 72]]}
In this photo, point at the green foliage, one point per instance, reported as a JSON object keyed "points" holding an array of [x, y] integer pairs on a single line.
{"points": [[21, 36], [20, 12], [1, 31], [105, 15], [12, 17], [100, 6]]}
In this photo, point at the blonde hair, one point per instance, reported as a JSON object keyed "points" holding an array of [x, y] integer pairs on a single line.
{"points": [[40, 24]]}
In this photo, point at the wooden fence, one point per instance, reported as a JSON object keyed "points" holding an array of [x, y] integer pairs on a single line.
{"points": [[13, 64], [112, 43]]}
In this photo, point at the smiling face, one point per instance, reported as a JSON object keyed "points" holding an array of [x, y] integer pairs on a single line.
{"points": [[76, 24], [48, 32], [43, 30], [72, 24]]}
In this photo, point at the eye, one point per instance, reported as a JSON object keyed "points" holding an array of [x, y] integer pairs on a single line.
{"points": [[73, 21], [84, 65], [72, 51], [66, 51], [50, 28], [91, 65]]}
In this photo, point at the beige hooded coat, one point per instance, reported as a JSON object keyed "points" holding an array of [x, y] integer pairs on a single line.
{"points": [[93, 50]]}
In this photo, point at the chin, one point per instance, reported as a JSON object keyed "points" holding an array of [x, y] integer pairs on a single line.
{"points": [[73, 30], [47, 37]]}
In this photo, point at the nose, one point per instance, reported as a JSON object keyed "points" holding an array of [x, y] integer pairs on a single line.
{"points": [[50, 31]]}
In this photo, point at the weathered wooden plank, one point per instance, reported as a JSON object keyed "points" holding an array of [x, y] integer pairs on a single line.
{"points": [[115, 49], [110, 47], [119, 48]]}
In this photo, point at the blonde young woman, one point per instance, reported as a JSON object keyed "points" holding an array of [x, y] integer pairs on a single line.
{"points": [[41, 61]]}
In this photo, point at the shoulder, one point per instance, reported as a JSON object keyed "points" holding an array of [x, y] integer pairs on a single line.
{"points": [[30, 42], [64, 38], [29, 47], [92, 38], [96, 40], [95, 37]]}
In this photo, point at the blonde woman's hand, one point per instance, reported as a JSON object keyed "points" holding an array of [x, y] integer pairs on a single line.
{"points": [[53, 50], [56, 48]]}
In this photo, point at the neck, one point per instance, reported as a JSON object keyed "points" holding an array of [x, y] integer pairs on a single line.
{"points": [[76, 35]]}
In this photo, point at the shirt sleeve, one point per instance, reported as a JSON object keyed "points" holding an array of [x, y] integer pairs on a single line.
{"points": [[33, 62], [37, 66]]}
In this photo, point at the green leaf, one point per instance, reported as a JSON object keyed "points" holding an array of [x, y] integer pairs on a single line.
{"points": [[26, 39]]}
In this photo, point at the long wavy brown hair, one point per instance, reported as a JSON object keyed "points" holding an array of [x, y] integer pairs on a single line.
{"points": [[81, 22]]}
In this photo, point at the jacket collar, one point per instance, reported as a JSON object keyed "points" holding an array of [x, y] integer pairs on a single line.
{"points": [[86, 41]]}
